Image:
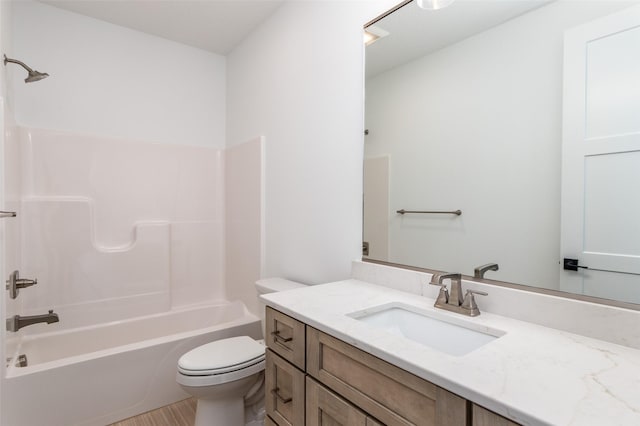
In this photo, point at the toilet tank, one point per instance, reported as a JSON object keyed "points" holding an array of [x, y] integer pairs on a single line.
{"points": [[273, 285]]}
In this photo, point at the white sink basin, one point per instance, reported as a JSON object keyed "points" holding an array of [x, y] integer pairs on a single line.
{"points": [[452, 336]]}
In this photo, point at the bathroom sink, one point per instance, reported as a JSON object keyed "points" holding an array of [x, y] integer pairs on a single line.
{"points": [[452, 336]]}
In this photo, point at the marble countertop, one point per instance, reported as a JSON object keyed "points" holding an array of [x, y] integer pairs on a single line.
{"points": [[533, 375]]}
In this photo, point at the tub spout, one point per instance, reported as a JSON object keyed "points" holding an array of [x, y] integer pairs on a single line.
{"points": [[16, 322]]}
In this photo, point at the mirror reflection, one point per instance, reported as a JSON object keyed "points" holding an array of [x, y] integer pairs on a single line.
{"points": [[523, 115]]}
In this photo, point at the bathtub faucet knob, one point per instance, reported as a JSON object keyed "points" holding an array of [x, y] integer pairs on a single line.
{"points": [[15, 283]]}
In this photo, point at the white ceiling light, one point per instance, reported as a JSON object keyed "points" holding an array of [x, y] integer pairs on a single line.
{"points": [[433, 4]]}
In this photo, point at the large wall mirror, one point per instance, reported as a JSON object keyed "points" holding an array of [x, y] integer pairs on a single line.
{"points": [[524, 115]]}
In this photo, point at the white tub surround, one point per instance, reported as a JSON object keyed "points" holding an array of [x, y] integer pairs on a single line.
{"points": [[533, 375], [116, 228], [244, 220]]}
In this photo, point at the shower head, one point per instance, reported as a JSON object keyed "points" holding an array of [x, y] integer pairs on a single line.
{"points": [[33, 75]]}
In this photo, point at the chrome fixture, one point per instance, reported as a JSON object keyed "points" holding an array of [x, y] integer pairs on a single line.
{"points": [[33, 75], [454, 302], [479, 271], [22, 361], [7, 214], [15, 283], [456, 212], [16, 322], [433, 4], [454, 298]]}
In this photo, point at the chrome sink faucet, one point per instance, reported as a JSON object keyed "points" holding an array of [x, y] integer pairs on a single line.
{"points": [[16, 322], [453, 297], [453, 301]]}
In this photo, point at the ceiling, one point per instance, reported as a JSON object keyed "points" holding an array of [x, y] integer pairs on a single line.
{"points": [[414, 32], [214, 25]]}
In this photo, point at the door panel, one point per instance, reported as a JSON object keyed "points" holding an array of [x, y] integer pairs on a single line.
{"points": [[601, 155]]}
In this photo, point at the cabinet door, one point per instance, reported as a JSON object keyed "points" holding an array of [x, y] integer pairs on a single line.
{"points": [[286, 337], [388, 393], [484, 417], [284, 391], [324, 408]]}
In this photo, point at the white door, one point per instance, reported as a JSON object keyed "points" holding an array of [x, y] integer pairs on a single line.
{"points": [[601, 156]]}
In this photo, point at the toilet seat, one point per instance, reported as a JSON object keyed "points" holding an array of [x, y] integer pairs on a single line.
{"points": [[223, 370], [221, 361]]}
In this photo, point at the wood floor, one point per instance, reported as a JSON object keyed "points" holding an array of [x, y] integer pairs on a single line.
{"points": [[182, 413]]}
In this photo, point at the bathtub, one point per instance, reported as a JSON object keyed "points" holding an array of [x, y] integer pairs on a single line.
{"points": [[100, 374]]}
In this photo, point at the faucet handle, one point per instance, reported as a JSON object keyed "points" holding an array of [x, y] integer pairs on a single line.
{"points": [[443, 296], [469, 302]]}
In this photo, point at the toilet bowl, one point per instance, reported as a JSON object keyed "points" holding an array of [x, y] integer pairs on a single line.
{"points": [[221, 373]]}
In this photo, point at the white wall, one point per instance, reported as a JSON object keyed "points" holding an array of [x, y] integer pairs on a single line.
{"points": [[298, 80], [480, 129], [111, 81], [5, 42]]}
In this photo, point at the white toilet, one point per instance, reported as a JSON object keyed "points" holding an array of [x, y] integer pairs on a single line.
{"points": [[220, 374]]}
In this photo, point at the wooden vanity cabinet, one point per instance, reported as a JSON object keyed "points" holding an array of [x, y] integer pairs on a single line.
{"points": [[483, 417], [327, 382], [384, 391], [286, 337], [285, 369], [285, 397], [325, 408], [269, 422]]}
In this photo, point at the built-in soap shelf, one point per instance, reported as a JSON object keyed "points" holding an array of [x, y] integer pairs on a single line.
{"points": [[59, 246]]}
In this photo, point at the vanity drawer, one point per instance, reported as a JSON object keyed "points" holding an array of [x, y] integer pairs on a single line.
{"points": [[269, 422], [391, 395], [285, 394], [286, 337]]}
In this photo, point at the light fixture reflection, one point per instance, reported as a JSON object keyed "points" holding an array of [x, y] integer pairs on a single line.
{"points": [[373, 34], [369, 38], [433, 4]]}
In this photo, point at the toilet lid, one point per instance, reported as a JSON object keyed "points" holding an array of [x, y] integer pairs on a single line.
{"points": [[221, 356]]}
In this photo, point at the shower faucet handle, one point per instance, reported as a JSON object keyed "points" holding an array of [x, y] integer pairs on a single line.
{"points": [[15, 283]]}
